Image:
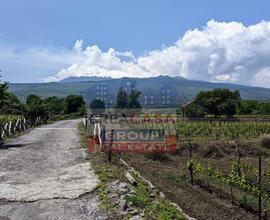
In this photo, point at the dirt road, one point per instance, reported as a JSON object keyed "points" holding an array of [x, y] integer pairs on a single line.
{"points": [[44, 175]]}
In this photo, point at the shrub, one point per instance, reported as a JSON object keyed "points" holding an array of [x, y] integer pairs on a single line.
{"points": [[265, 141]]}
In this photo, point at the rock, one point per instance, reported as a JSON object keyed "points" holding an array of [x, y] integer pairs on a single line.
{"points": [[136, 217], [122, 205], [134, 212], [161, 194], [129, 204], [152, 195]]}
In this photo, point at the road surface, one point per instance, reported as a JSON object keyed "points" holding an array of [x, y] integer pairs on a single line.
{"points": [[44, 174]]}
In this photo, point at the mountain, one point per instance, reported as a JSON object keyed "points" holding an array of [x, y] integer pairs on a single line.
{"points": [[83, 79], [181, 89]]}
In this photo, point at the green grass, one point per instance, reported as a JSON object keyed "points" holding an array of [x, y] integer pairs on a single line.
{"points": [[173, 176], [141, 197], [7, 118], [162, 210]]}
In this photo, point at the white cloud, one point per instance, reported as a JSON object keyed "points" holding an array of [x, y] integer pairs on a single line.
{"points": [[219, 52]]}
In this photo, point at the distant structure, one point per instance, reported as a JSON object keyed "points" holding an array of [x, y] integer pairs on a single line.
{"points": [[184, 109]]}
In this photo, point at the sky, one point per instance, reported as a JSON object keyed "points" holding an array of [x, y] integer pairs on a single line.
{"points": [[218, 41]]}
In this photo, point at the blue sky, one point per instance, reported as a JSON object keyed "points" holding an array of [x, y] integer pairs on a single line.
{"points": [[141, 26]]}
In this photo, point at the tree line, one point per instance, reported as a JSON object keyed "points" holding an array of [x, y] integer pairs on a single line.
{"points": [[35, 106], [223, 102], [124, 101]]}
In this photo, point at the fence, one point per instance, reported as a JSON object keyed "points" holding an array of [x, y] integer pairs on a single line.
{"points": [[16, 126], [245, 184]]}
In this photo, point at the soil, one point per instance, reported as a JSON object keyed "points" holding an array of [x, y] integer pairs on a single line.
{"points": [[194, 200]]}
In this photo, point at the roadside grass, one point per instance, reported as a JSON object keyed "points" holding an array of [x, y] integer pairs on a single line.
{"points": [[83, 135], [141, 197], [161, 209], [154, 208]]}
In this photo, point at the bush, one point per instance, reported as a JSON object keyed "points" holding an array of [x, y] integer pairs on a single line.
{"points": [[265, 141]]}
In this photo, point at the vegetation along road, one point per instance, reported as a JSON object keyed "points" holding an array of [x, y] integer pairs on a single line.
{"points": [[44, 175]]}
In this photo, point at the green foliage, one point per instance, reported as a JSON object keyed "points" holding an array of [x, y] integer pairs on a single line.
{"points": [[265, 108], [97, 106], [222, 130], [194, 111], [54, 105], [9, 103], [133, 101], [141, 197], [74, 103], [173, 176], [8, 118], [219, 101], [124, 101], [14, 105], [35, 108], [121, 99], [233, 179], [163, 210], [253, 107], [3, 95]]}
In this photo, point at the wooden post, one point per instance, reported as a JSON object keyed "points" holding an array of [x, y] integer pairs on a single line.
{"points": [[110, 147], [103, 137], [260, 188], [190, 168]]}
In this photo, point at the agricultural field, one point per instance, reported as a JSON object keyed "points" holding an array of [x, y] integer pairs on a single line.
{"points": [[227, 181], [222, 130]]}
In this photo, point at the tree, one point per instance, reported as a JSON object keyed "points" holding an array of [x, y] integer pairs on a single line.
{"points": [[97, 106], [13, 105], [75, 104], [247, 107], [265, 108], [194, 111], [54, 105], [3, 95], [133, 101], [219, 101], [122, 99], [35, 108]]}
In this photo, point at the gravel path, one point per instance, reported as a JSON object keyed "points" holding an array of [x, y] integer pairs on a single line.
{"points": [[44, 175]]}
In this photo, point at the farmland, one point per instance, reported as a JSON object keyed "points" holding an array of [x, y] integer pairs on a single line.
{"points": [[222, 130], [224, 158]]}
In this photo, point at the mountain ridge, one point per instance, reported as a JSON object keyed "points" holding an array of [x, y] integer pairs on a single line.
{"points": [[183, 89]]}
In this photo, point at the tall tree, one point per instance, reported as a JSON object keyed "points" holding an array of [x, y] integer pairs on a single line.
{"points": [[35, 108], [133, 101], [122, 99], [3, 95], [74, 104]]}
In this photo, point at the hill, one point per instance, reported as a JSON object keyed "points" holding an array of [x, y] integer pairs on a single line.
{"points": [[83, 79], [154, 89]]}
